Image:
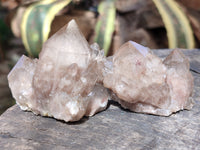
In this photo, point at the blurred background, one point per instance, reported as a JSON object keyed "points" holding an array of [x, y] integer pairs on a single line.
{"points": [[158, 24]]}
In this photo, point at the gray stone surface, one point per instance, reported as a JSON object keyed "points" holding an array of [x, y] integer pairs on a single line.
{"points": [[114, 128]]}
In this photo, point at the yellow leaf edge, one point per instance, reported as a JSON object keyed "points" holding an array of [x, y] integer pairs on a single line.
{"points": [[110, 25], [52, 12], [169, 26], [186, 24], [47, 23]]}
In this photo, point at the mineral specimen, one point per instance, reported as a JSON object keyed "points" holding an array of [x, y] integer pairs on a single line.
{"points": [[144, 83], [63, 82], [70, 79]]}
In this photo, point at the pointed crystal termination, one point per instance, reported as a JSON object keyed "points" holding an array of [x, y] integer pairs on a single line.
{"points": [[143, 83], [62, 83], [68, 46]]}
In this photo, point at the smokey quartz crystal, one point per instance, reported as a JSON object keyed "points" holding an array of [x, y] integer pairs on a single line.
{"points": [[71, 79], [142, 82], [63, 82]]}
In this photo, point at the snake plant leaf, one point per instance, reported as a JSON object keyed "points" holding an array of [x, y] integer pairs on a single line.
{"points": [[36, 23], [105, 24], [179, 31]]}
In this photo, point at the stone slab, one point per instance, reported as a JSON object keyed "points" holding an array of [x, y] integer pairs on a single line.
{"points": [[114, 128]]}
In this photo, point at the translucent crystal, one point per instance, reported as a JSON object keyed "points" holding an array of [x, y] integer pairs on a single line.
{"points": [[144, 83], [62, 83], [70, 79]]}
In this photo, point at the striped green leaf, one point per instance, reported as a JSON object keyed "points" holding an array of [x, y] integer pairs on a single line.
{"points": [[105, 25], [178, 28], [36, 23]]}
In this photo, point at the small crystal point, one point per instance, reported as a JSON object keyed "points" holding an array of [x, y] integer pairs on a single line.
{"points": [[20, 81], [180, 80], [143, 50]]}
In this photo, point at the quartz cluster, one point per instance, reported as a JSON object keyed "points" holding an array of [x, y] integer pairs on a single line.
{"points": [[142, 82], [72, 79], [64, 82]]}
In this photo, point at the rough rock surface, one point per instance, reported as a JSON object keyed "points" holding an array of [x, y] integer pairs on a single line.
{"points": [[114, 128], [63, 82], [142, 82]]}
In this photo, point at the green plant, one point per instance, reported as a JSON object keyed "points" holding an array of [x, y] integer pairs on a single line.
{"points": [[106, 24], [178, 28], [36, 23]]}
